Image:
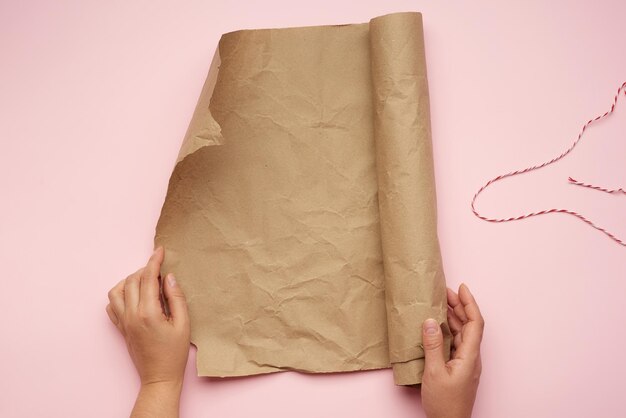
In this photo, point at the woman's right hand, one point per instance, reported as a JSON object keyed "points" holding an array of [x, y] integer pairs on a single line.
{"points": [[449, 388]]}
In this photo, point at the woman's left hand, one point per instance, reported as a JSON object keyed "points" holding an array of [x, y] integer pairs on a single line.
{"points": [[158, 344]]}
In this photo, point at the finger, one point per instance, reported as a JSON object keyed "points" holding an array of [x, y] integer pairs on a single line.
{"points": [[469, 303], [149, 283], [455, 323], [131, 291], [455, 302], [112, 315], [457, 341], [433, 347], [472, 333], [453, 298], [457, 306], [176, 300], [456, 327], [116, 299]]}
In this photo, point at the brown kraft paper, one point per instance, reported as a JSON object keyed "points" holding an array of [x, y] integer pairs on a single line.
{"points": [[300, 218]]}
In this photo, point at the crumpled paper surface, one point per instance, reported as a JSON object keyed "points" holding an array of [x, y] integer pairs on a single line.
{"points": [[300, 218]]}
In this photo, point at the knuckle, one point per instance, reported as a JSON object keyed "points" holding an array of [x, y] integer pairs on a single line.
{"points": [[131, 326], [433, 344], [124, 322], [474, 359], [135, 276], [476, 375], [481, 322], [144, 316], [179, 296]]}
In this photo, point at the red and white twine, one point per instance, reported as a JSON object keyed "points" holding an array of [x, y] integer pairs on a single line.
{"points": [[621, 89], [591, 186]]}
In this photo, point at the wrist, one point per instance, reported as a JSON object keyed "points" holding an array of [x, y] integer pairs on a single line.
{"points": [[173, 386], [463, 414], [158, 399]]}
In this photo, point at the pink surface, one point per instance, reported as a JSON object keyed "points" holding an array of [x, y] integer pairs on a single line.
{"points": [[95, 98]]}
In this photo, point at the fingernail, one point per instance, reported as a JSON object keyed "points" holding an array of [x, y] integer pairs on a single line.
{"points": [[171, 280], [431, 326]]}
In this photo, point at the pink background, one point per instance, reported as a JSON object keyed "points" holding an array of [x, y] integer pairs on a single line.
{"points": [[95, 98]]}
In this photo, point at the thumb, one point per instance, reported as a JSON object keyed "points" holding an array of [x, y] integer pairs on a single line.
{"points": [[433, 345], [175, 299]]}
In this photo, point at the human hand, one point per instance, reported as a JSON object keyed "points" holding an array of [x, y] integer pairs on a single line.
{"points": [[158, 344], [449, 389]]}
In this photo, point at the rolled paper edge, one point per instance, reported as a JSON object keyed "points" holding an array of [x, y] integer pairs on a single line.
{"points": [[410, 373], [203, 129], [391, 36]]}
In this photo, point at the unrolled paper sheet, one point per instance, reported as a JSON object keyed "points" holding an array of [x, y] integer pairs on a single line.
{"points": [[300, 219]]}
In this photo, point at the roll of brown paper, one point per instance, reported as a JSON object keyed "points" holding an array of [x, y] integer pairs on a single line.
{"points": [[300, 219], [414, 282]]}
